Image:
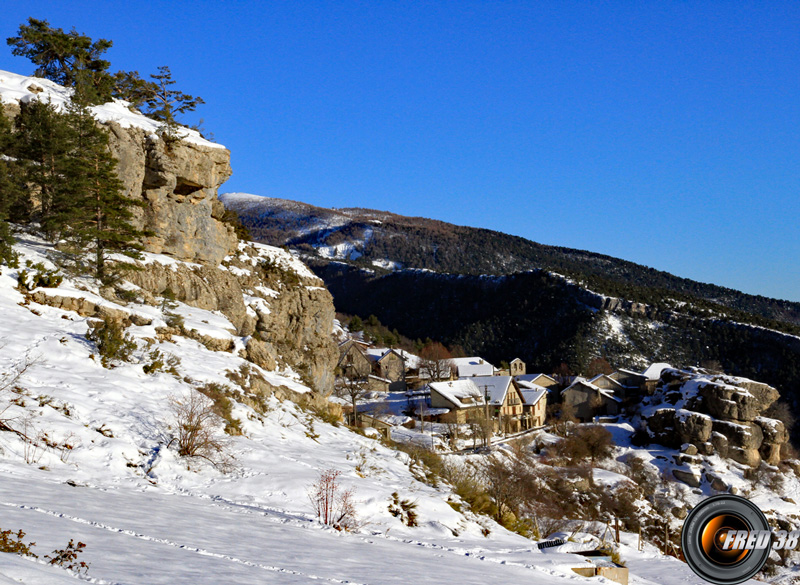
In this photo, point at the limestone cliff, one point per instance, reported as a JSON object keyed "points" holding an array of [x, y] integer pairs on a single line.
{"points": [[281, 309], [179, 181]]}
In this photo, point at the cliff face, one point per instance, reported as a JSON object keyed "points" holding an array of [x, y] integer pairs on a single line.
{"points": [[283, 312], [273, 300], [179, 181]]}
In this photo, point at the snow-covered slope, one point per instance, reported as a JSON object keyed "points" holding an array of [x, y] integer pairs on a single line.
{"points": [[99, 467]]}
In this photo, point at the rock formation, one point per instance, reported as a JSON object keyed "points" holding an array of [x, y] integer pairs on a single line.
{"points": [[714, 414], [179, 181]]}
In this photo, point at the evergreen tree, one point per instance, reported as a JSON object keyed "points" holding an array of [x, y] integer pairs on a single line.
{"points": [[165, 103], [68, 58], [129, 86], [43, 144], [14, 198], [105, 211]]}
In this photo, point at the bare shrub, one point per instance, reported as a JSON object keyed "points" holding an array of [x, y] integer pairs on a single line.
{"points": [[195, 423], [67, 557], [333, 505]]}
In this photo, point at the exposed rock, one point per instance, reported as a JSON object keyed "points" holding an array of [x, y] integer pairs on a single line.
{"points": [[743, 403], [679, 512], [716, 413], [720, 443], [271, 299], [749, 457], [689, 449], [204, 287], [744, 435], [688, 476], [716, 482], [692, 427], [179, 181], [86, 308]]}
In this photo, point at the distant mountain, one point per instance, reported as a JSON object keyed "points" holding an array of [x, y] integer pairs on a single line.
{"points": [[380, 240]]}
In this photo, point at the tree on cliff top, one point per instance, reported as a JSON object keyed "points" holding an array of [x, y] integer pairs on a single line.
{"points": [[68, 58]]}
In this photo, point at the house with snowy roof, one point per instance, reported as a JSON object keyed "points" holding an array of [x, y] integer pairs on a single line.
{"points": [[463, 400], [388, 364], [534, 404], [353, 362], [505, 400], [542, 380], [468, 367], [589, 400]]}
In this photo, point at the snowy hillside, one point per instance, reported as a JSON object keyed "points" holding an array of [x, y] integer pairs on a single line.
{"points": [[91, 459]]}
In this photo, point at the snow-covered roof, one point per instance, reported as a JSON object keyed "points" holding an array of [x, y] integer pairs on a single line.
{"points": [[461, 393], [653, 372], [533, 378], [376, 354], [609, 394], [22, 89], [607, 377], [497, 387], [532, 395]]}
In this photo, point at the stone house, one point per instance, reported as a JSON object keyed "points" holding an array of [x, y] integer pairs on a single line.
{"points": [[634, 384], [462, 399], [588, 400], [506, 403], [534, 407], [353, 362], [388, 364]]}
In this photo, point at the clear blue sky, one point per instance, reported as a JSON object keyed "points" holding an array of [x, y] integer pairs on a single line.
{"points": [[666, 133]]}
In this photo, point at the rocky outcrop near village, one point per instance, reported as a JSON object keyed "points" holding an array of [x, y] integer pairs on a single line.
{"points": [[280, 306], [705, 414]]}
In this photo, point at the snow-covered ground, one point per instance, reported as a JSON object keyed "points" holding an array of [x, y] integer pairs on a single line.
{"points": [[22, 89], [111, 478]]}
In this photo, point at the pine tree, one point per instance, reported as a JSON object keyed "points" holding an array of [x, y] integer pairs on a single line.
{"points": [[43, 145], [68, 58], [166, 103], [106, 213]]}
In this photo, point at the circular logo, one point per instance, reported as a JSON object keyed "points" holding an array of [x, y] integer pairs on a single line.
{"points": [[726, 539]]}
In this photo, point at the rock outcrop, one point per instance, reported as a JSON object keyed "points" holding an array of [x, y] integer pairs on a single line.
{"points": [[179, 181], [716, 414], [273, 300]]}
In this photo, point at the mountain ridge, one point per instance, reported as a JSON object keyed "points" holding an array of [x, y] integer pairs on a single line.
{"points": [[351, 235]]}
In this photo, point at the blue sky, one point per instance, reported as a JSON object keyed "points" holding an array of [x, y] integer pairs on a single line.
{"points": [[666, 133]]}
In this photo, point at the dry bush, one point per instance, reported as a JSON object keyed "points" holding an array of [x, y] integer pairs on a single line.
{"points": [[195, 423], [333, 505]]}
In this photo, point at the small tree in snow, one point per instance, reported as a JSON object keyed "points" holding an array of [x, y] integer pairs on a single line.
{"points": [[353, 389], [333, 505], [196, 423]]}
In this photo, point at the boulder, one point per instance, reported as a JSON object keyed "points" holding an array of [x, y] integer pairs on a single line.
{"points": [[749, 457], [741, 402], [693, 427], [688, 476], [743, 435]]}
